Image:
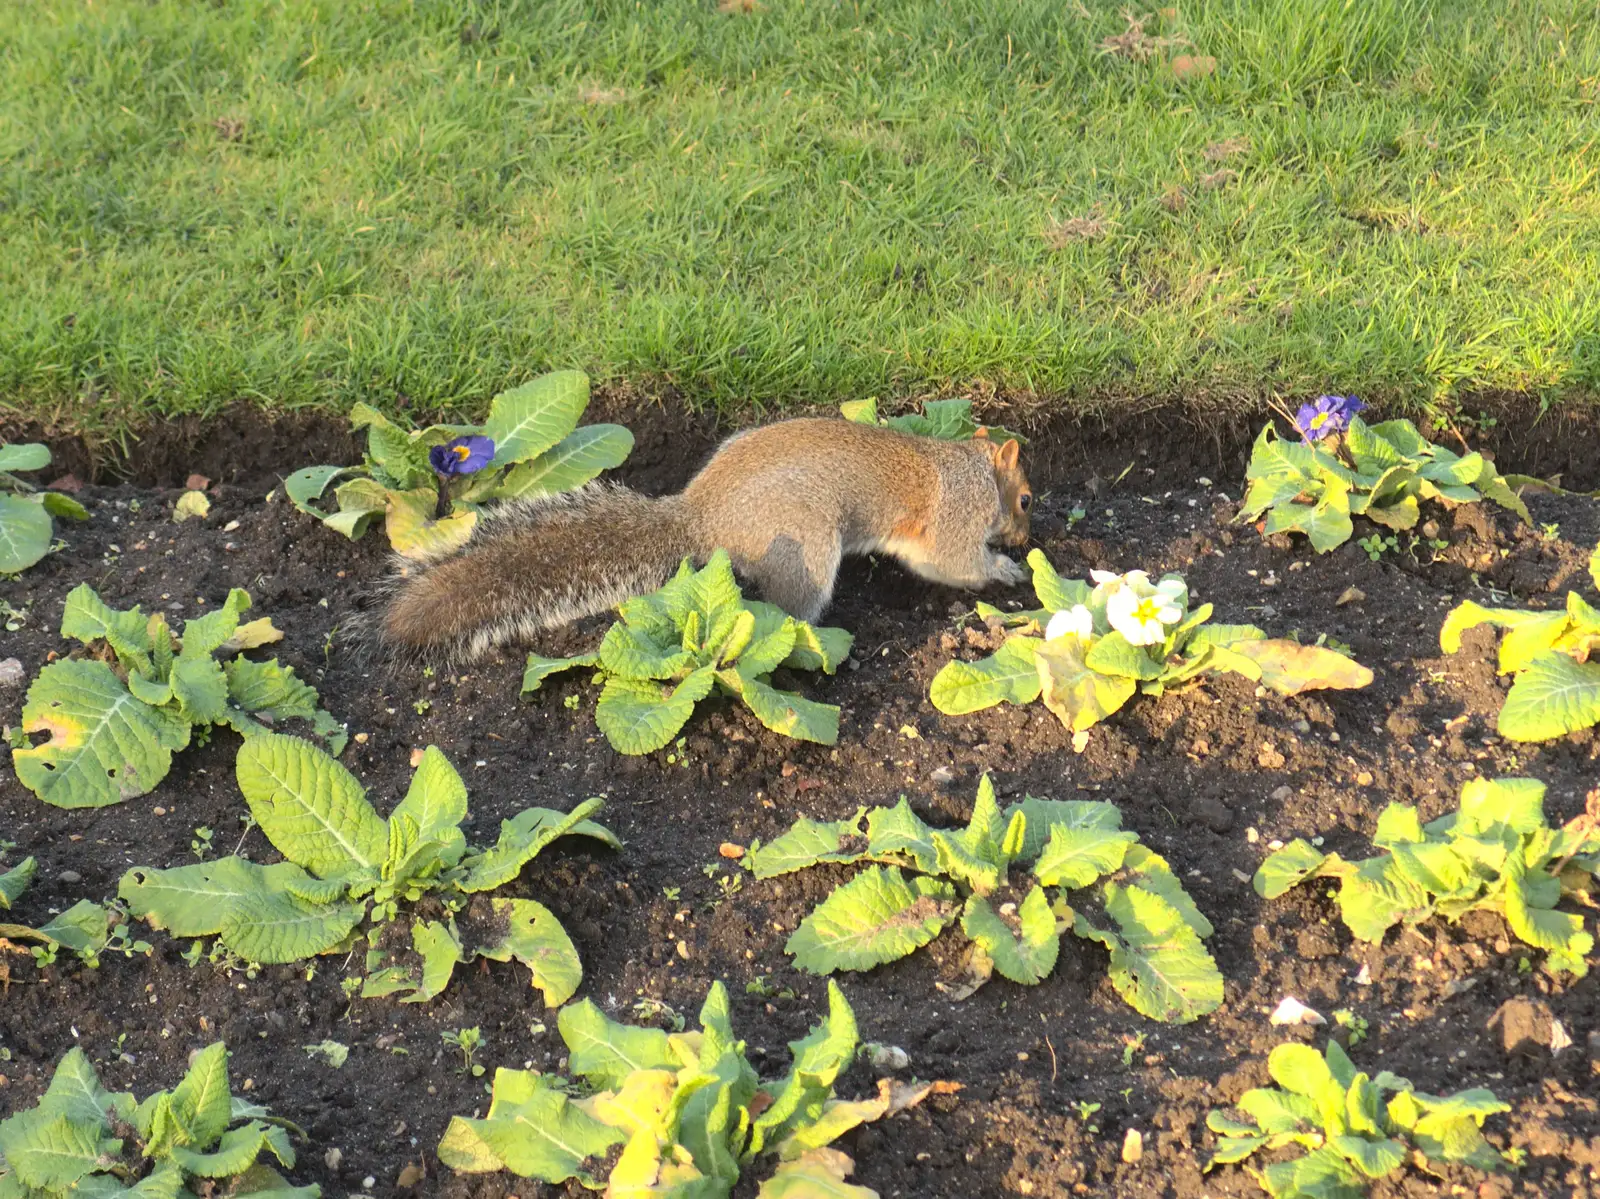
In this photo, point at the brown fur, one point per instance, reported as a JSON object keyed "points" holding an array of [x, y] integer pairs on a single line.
{"points": [[786, 501]]}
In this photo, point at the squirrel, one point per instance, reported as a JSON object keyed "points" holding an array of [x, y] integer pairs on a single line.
{"points": [[786, 501]]}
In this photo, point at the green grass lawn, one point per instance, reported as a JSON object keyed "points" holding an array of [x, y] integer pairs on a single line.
{"points": [[307, 204]]}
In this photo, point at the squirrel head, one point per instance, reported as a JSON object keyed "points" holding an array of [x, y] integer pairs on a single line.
{"points": [[1016, 497]]}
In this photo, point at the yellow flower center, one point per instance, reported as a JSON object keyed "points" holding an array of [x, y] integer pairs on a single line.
{"points": [[1320, 419], [461, 452], [1146, 611]]}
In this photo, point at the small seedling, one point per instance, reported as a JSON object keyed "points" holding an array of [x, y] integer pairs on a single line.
{"points": [[1131, 1047], [1090, 649], [671, 648], [421, 706], [1355, 1026], [1375, 545], [201, 845], [467, 1042]]}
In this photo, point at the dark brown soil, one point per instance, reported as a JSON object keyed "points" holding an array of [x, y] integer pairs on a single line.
{"points": [[1209, 778]]}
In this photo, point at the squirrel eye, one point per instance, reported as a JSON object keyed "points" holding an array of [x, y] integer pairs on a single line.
{"points": [[1024, 501]]}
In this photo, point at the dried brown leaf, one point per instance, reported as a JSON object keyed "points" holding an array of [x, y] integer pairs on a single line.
{"points": [[1226, 148], [1194, 66]]}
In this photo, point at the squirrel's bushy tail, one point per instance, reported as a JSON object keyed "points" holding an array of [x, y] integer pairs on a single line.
{"points": [[533, 564]]}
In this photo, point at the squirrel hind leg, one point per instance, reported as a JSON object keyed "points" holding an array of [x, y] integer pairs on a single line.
{"points": [[796, 577]]}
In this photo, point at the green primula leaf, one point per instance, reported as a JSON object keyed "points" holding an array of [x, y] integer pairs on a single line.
{"points": [[76, 1093], [194, 900], [1286, 868], [15, 881], [201, 1102], [1010, 675], [629, 653], [528, 420], [281, 927], [105, 745], [50, 1151], [817, 1174], [1553, 696], [606, 1052], [535, 938], [1077, 857], [1025, 953], [639, 717], [1375, 897], [88, 618], [201, 689], [1158, 963], [63, 506], [809, 842], [25, 533], [311, 808], [1042, 816], [532, 1129], [876, 917], [570, 463], [539, 669], [1300, 1069], [204, 635], [898, 835], [1150, 871], [784, 711], [24, 456], [437, 802], [818, 1059], [1113, 654], [823, 649], [236, 1152], [1054, 592], [1277, 1112], [308, 483]]}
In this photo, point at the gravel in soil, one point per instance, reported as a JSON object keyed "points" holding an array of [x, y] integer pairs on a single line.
{"points": [[1210, 778]]}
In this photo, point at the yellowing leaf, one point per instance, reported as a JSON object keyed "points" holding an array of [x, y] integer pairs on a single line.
{"points": [[818, 1174], [1290, 668], [191, 503], [252, 635], [1079, 697], [413, 531]]}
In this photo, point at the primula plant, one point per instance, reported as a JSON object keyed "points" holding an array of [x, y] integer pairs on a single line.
{"points": [[688, 1111], [1342, 467], [1111, 889], [86, 929], [196, 1139], [671, 648], [1496, 852], [1354, 1133], [412, 879], [1089, 649], [1557, 687], [948, 420], [25, 528], [115, 718], [428, 484]]}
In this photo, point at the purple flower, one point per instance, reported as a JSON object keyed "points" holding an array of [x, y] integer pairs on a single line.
{"points": [[1326, 415], [463, 456]]}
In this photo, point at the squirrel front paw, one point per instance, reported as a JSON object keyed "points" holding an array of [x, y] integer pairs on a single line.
{"points": [[1003, 570]]}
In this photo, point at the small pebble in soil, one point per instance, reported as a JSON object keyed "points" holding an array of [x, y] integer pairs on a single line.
{"points": [[11, 673], [69, 876]]}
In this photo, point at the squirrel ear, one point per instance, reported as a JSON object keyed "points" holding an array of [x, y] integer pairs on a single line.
{"points": [[1006, 459]]}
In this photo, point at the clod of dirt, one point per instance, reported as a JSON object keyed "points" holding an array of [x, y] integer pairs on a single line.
{"points": [[1212, 813], [1523, 1025], [11, 673]]}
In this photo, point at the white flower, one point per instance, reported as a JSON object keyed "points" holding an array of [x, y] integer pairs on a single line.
{"points": [[1141, 613], [1077, 621]]}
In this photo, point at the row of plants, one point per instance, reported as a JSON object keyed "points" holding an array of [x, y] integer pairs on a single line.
{"points": [[648, 1112]]}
